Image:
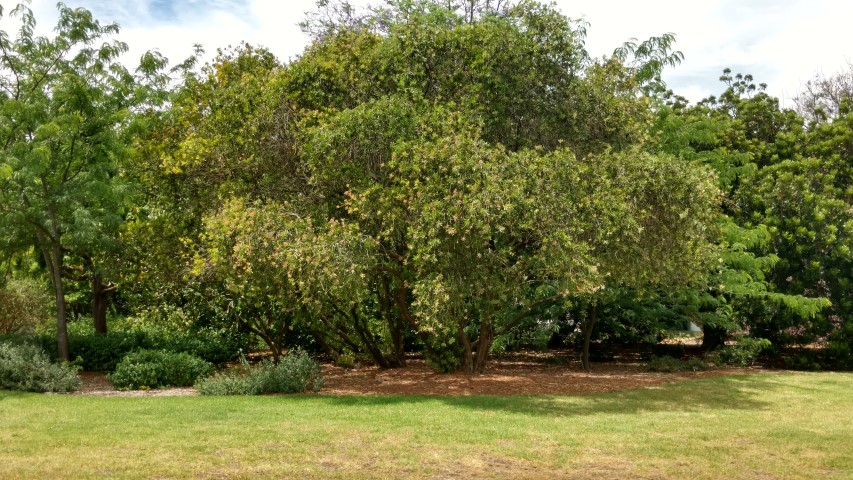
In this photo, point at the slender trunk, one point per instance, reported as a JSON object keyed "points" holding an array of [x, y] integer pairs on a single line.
{"points": [[363, 332], [395, 325], [275, 348], [320, 338], [61, 313], [467, 350], [335, 328], [52, 252], [276, 351], [398, 355], [100, 300], [407, 317], [484, 344], [587, 335]]}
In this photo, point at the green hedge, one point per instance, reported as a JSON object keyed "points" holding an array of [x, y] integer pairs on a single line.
{"points": [[102, 352], [158, 368]]}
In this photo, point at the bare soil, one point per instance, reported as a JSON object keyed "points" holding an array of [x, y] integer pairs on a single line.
{"points": [[516, 374], [97, 384]]}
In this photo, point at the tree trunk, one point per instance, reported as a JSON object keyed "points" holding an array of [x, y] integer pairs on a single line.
{"points": [[588, 327], [100, 301], [713, 337], [467, 350], [484, 344], [320, 338], [398, 356], [52, 252], [274, 346], [55, 263], [396, 326], [363, 331], [407, 318]]}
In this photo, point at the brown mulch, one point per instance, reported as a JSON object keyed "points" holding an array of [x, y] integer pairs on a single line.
{"points": [[523, 374], [96, 384]]}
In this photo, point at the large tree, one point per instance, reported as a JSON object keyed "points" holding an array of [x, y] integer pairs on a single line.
{"points": [[421, 169], [65, 107], [782, 243]]}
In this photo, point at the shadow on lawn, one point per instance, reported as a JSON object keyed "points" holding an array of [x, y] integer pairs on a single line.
{"points": [[727, 393], [11, 394]]}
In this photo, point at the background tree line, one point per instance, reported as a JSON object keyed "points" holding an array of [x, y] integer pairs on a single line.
{"points": [[452, 178]]}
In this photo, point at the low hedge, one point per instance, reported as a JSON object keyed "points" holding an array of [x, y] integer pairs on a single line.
{"points": [[145, 369], [28, 368], [295, 373], [102, 352]]}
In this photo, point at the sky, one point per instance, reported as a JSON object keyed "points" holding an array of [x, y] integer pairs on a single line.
{"points": [[782, 43]]}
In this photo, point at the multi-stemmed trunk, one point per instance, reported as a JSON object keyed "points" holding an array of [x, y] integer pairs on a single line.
{"points": [[476, 353]]}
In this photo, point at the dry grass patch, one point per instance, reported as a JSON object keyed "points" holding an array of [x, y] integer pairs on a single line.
{"points": [[792, 426]]}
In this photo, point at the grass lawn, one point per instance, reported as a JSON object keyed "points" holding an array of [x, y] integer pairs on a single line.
{"points": [[790, 426]]}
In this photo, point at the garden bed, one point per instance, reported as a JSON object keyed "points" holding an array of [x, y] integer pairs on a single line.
{"points": [[514, 374]]}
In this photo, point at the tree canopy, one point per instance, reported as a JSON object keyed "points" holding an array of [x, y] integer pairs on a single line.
{"points": [[67, 111]]}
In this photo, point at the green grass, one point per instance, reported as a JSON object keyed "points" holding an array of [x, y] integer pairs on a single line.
{"points": [[791, 426]]}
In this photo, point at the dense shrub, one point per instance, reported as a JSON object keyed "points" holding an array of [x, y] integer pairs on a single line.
{"points": [[839, 355], [349, 359], [24, 306], [835, 356], [744, 352], [97, 352], [295, 373], [42, 341], [28, 368], [669, 364], [102, 352], [206, 344], [158, 368]]}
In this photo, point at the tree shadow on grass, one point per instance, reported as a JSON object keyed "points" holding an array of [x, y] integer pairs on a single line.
{"points": [[724, 393], [14, 394]]}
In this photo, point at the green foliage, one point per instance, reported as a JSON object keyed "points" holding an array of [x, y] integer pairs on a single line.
{"points": [[439, 175], [215, 346], [145, 369], [434, 178], [28, 368], [769, 279], [24, 306], [101, 352], [532, 334], [670, 364], [348, 359], [625, 316], [227, 384], [295, 372], [66, 113], [744, 352], [444, 358]]}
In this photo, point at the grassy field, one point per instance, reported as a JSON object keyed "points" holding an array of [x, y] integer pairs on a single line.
{"points": [[791, 426]]}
